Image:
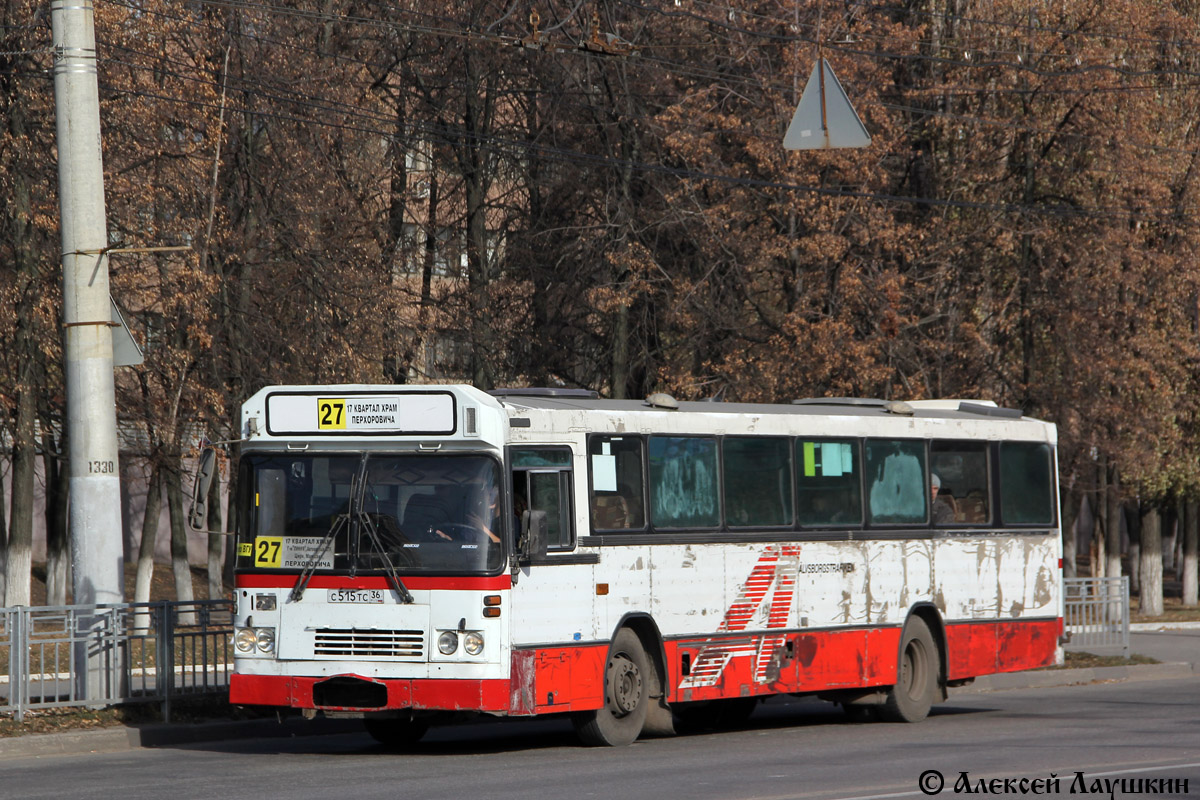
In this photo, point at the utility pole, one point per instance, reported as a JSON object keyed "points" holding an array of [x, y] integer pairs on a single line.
{"points": [[95, 487]]}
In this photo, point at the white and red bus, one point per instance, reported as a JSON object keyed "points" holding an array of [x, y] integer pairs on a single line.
{"points": [[409, 553]]}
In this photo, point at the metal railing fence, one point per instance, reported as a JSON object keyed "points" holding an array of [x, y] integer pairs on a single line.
{"points": [[102, 655], [1096, 614]]}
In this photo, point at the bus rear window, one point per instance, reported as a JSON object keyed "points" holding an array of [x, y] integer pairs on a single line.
{"points": [[1026, 484]]}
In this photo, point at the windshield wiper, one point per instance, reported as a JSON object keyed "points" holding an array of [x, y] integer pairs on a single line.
{"points": [[314, 560], [365, 523], [336, 527], [397, 584]]}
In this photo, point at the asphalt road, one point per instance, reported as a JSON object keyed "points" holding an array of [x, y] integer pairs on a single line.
{"points": [[802, 749]]}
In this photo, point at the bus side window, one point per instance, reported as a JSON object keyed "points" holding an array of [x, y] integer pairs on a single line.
{"points": [[896, 482], [828, 481], [758, 481], [962, 469], [541, 481], [683, 482], [617, 485]]}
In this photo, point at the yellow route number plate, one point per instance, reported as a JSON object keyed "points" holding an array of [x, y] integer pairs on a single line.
{"points": [[268, 551], [331, 414]]}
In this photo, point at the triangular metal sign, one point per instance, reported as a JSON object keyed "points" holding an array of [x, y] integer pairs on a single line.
{"points": [[824, 119], [126, 352]]}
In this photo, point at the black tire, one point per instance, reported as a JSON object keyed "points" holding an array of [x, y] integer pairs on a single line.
{"points": [[396, 733], [916, 676], [627, 679]]}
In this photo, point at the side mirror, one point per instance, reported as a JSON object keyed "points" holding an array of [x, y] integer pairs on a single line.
{"points": [[205, 470], [535, 536]]}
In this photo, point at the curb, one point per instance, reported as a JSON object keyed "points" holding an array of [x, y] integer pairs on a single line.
{"points": [[1152, 627], [1049, 678]]}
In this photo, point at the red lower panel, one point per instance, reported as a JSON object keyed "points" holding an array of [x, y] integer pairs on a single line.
{"points": [[982, 648], [709, 669], [434, 694], [558, 679]]}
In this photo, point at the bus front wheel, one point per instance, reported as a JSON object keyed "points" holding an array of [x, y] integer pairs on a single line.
{"points": [[916, 676], [626, 696]]}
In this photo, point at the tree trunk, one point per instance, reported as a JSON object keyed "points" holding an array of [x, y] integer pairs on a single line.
{"points": [[3, 538], [1099, 521], [231, 524], [620, 354], [1070, 511], [1191, 539], [216, 542], [1151, 598], [1112, 544], [145, 563], [179, 551], [1133, 525], [19, 234], [1170, 538], [18, 584], [397, 359], [58, 540]]}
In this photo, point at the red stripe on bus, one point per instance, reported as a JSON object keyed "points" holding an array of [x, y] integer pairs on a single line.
{"points": [[571, 677], [492, 584]]}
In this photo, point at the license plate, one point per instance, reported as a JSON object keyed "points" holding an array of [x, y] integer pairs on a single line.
{"points": [[356, 595]]}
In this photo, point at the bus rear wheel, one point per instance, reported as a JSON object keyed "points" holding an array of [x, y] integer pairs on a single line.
{"points": [[626, 696], [916, 676]]}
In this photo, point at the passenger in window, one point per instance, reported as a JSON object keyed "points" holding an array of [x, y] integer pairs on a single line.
{"points": [[943, 512]]}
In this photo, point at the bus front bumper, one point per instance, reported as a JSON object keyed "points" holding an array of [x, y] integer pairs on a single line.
{"points": [[356, 693]]}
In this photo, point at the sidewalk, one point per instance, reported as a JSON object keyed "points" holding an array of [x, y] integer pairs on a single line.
{"points": [[1176, 645]]}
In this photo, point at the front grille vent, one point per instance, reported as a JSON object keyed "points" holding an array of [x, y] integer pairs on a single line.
{"points": [[364, 643]]}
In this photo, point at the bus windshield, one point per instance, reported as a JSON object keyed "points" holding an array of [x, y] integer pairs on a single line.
{"points": [[360, 512]]}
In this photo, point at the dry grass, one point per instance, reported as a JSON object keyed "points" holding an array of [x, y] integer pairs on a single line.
{"points": [[184, 711], [1084, 660], [1173, 611]]}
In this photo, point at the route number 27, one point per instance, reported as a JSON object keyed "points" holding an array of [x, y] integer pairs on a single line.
{"points": [[331, 414], [267, 551]]}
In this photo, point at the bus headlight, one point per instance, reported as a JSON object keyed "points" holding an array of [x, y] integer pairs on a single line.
{"points": [[448, 642], [473, 643], [266, 640], [245, 639]]}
